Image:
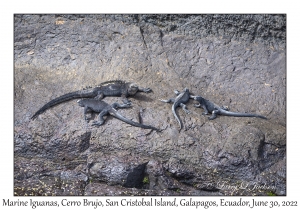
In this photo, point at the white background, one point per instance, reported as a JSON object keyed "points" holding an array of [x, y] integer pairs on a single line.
{"points": [[9, 8]]}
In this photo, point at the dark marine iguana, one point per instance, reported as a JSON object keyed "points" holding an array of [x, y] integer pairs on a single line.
{"points": [[104, 108], [109, 88], [215, 110], [180, 100]]}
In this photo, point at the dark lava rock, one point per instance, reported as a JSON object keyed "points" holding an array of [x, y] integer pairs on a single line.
{"points": [[233, 60]]}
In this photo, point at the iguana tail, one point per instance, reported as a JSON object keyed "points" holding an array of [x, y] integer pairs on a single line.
{"points": [[175, 114], [238, 114], [116, 114], [64, 98]]}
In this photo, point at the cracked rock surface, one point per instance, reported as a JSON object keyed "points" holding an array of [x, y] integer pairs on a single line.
{"points": [[237, 61]]}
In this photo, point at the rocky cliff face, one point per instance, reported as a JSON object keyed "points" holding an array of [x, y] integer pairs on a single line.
{"points": [[233, 60]]}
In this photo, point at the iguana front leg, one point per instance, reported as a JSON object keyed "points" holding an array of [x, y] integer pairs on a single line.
{"points": [[145, 90], [99, 96], [176, 92], [125, 99]]}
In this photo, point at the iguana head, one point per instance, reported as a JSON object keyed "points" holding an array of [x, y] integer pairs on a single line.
{"points": [[186, 90], [132, 89]]}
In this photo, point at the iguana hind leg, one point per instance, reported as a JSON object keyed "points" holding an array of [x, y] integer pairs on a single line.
{"points": [[184, 108], [171, 100], [85, 111], [214, 114], [117, 105], [100, 118], [226, 108], [205, 110]]}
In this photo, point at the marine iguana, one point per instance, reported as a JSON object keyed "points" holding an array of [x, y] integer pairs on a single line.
{"points": [[104, 108], [215, 110], [180, 100], [109, 88]]}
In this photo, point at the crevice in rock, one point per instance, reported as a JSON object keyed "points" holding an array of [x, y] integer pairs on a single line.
{"points": [[85, 142], [143, 38], [135, 177]]}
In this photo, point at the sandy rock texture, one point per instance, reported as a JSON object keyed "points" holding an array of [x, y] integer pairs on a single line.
{"points": [[234, 60]]}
